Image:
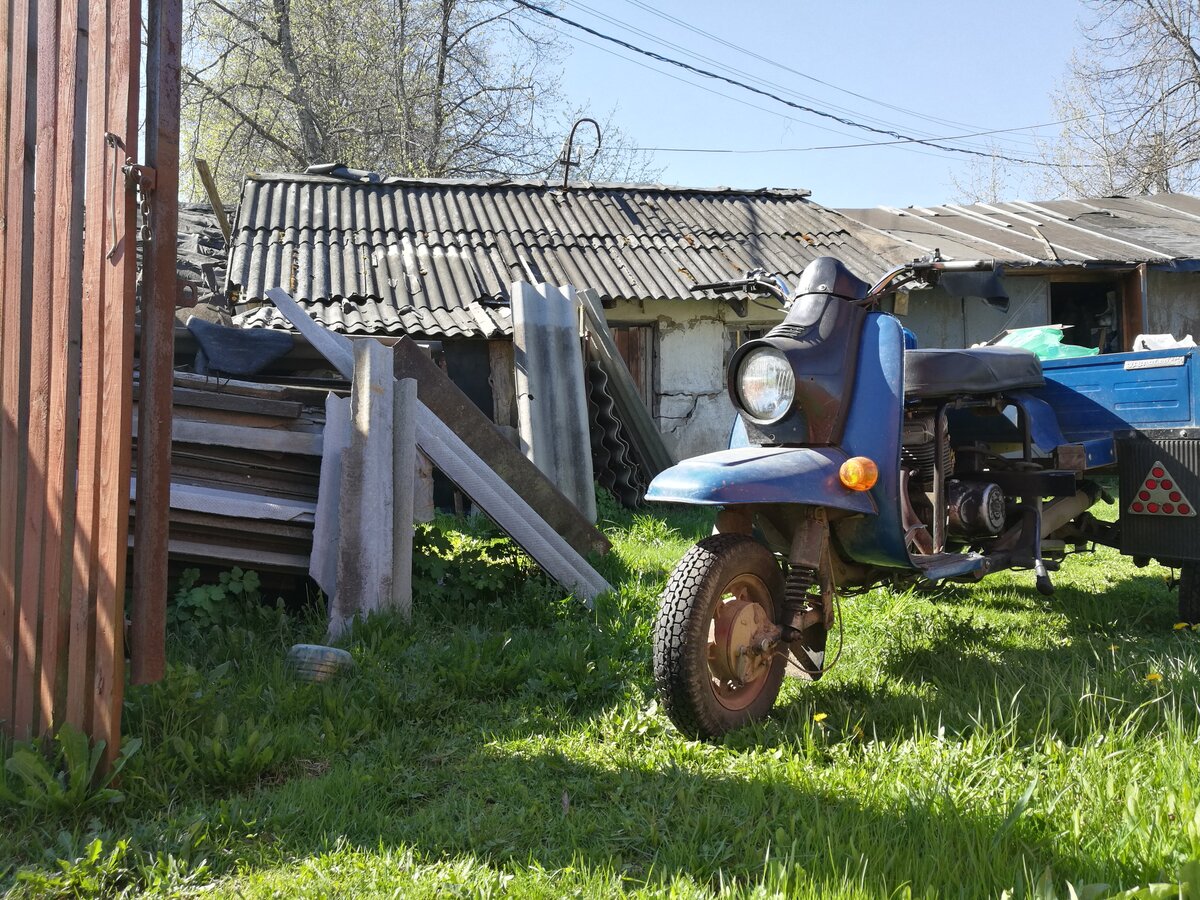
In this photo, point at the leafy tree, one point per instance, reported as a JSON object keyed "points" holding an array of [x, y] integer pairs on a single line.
{"points": [[1132, 101], [426, 88]]}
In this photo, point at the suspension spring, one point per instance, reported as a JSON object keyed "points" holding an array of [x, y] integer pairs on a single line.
{"points": [[796, 599]]}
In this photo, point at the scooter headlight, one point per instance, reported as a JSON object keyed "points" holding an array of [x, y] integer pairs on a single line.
{"points": [[765, 384]]}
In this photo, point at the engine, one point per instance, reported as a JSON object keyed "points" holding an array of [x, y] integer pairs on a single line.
{"points": [[974, 508]]}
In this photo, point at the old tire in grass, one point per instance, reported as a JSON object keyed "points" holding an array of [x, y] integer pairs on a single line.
{"points": [[1189, 593], [722, 598]]}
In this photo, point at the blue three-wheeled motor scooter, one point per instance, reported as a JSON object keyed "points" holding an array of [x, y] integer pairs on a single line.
{"points": [[856, 461]]}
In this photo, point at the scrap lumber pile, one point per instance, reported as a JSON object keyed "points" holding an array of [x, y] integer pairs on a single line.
{"points": [[245, 468], [390, 422]]}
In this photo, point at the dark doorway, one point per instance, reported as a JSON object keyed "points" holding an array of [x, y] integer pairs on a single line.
{"points": [[1090, 313]]}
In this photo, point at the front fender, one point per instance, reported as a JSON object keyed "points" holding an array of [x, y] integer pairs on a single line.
{"points": [[807, 475]]}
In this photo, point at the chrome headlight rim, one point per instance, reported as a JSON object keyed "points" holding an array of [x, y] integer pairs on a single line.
{"points": [[784, 405]]}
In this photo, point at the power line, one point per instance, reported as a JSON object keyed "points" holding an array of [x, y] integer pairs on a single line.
{"points": [[732, 99], [762, 82], [906, 138], [774, 62], [949, 137]]}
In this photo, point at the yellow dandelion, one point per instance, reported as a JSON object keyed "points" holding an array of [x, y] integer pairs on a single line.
{"points": [[1154, 677], [820, 717], [1179, 626]]}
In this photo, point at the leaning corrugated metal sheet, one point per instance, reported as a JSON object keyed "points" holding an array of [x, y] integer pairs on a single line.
{"points": [[551, 396]]}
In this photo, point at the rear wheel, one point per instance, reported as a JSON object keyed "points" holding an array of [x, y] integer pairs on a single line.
{"points": [[1189, 593], [717, 661]]}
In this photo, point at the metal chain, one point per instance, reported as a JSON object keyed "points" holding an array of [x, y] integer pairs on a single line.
{"points": [[135, 175], [144, 208]]}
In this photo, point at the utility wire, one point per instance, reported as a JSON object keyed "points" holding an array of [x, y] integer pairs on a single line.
{"points": [[774, 62], [541, 10], [950, 137], [733, 99], [730, 70], [776, 86]]}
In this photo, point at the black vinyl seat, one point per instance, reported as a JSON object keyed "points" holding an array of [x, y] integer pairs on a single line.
{"points": [[979, 370]]}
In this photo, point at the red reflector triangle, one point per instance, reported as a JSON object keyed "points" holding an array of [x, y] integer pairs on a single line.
{"points": [[1160, 495]]}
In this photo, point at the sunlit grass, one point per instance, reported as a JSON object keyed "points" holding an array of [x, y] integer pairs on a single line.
{"points": [[970, 740]]}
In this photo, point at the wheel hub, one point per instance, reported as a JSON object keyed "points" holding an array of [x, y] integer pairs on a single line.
{"points": [[742, 633]]}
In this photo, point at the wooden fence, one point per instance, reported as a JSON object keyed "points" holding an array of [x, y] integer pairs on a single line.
{"points": [[69, 193]]}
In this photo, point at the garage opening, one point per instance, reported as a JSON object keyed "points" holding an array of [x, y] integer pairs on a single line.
{"points": [[1090, 313]]}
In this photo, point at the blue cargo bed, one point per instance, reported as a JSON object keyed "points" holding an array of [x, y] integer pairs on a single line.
{"points": [[1095, 396]]}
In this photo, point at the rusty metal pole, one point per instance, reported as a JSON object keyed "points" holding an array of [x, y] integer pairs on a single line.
{"points": [[157, 347]]}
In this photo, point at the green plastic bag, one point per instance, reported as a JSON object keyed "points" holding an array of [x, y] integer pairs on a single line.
{"points": [[1046, 342]]}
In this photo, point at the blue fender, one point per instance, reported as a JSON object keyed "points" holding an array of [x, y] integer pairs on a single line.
{"points": [[807, 475]]}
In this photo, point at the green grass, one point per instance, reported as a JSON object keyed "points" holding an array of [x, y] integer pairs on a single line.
{"points": [[970, 741]]}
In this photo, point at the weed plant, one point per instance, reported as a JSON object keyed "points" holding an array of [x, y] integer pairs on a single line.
{"points": [[970, 742]]}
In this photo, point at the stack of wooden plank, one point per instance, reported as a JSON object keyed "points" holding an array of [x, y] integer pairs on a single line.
{"points": [[245, 468]]}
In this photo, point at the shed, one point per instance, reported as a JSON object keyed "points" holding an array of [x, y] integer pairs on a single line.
{"points": [[1109, 267], [435, 259]]}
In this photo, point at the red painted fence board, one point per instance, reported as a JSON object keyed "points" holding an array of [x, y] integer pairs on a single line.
{"points": [[67, 309]]}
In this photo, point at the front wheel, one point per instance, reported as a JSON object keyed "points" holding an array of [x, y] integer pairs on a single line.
{"points": [[717, 664]]}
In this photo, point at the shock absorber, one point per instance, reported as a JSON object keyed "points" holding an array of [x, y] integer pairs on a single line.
{"points": [[797, 604]]}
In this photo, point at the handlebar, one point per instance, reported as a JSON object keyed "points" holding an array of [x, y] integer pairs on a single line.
{"points": [[965, 265], [755, 285]]}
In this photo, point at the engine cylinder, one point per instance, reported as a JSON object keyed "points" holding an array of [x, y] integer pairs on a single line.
{"points": [[974, 508]]}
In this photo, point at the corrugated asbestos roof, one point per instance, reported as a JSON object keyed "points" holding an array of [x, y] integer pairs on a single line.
{"points": [[1160, 228], [435, 258]]}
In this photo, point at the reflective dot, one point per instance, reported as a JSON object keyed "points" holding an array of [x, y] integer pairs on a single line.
{"points": [[1176, 496], [1137, 507], [1151, 483], [1167, 485], [1157, 472], [1184, 509], [1168, 507], [1145, 495], [1153, 507]]}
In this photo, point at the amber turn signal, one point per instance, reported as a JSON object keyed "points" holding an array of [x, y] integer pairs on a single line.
{"points": [[859, 473]]}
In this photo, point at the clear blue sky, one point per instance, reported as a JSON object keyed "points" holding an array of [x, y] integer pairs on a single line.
{"points": [[973, 65]]}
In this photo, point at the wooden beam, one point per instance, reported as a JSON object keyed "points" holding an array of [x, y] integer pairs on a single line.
{"points": [[16, 312], [148, 633], [451, 405], [423, 506], [504, 391], [97, 181], [210, 188], [231, 386], [65, 316], [289, 409], [124, 38], [264, 439]]}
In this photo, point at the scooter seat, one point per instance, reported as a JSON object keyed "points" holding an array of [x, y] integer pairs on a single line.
{"points": [[979, 370]]}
